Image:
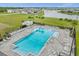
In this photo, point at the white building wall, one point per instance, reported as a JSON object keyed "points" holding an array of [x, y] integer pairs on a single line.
{"points": [[27, 23]]}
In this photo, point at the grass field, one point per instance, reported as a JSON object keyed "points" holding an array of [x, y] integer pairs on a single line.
{"points": [[14, 21]]}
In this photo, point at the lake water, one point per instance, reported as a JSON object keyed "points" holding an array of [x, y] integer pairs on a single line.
{"points": [[55, 14]]}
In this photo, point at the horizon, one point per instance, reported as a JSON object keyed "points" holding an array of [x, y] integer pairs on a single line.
{"points": [[65, 5]]}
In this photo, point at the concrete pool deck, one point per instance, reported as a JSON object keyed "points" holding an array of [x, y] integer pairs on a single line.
{"points": [[55, 46]]}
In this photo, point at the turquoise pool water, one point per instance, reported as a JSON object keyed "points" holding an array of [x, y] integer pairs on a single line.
{"points": [[34, 42]]}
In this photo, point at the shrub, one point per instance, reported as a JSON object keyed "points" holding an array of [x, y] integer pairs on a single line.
{"points": [[30, 17], [66, 19], [42, 17], [74, 23], [1, 39], [7, 34], [69, 20], [23, 26], [60, 19]]}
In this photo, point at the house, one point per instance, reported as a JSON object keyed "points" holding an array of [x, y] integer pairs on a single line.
{"points": [[10, 11], [24, 11]]}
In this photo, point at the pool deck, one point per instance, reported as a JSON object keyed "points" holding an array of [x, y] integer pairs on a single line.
{"points": [[60, 45]]}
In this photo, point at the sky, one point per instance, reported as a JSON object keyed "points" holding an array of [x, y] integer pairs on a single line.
{"points": [[39, 4]]}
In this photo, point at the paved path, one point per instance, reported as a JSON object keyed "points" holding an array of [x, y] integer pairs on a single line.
{"points": [[7, 14]]}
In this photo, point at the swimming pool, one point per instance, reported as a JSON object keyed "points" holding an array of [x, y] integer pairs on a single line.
{"points": [[34, 42]]}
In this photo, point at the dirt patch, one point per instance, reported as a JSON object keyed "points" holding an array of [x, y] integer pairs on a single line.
{"points": [[3, 26]]}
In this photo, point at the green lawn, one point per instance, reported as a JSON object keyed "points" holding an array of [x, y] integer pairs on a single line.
{"points": [[14, 21]]}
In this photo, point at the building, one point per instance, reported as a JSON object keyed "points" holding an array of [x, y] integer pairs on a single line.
{"points": [[24, 11], [27, 23]]}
